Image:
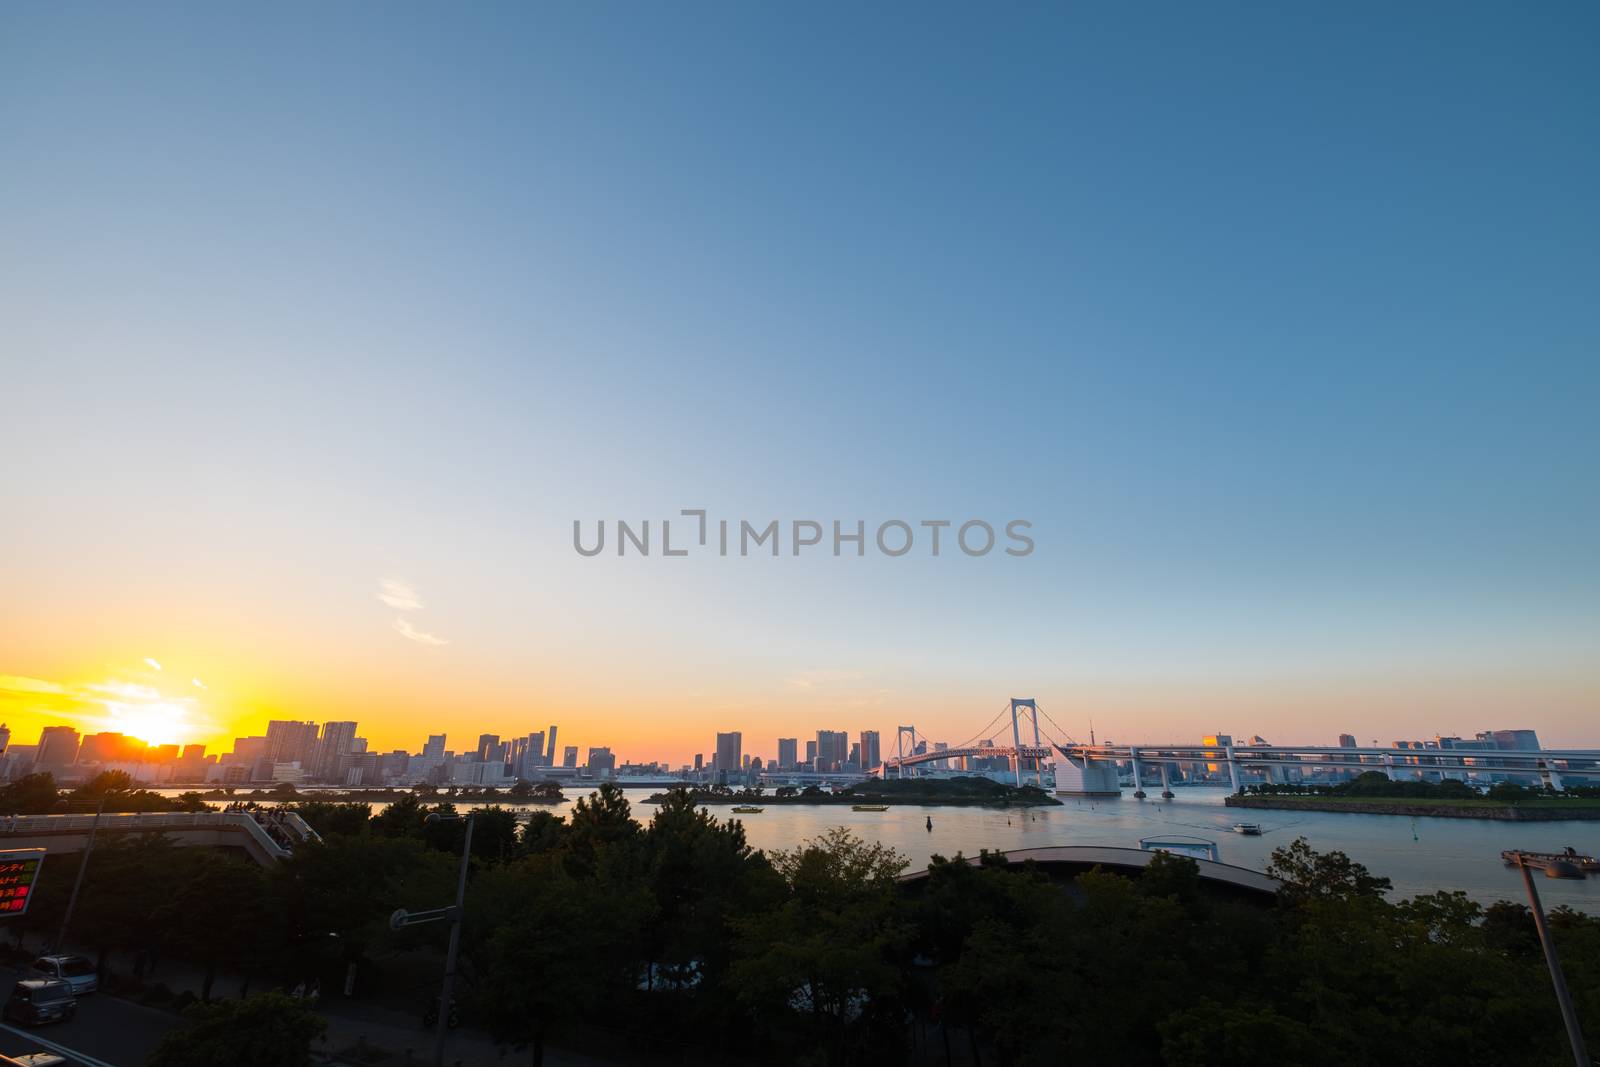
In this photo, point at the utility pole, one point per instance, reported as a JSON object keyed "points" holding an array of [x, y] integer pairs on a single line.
{"points": [[402, 918], [1569, 1014], [83, 867]]}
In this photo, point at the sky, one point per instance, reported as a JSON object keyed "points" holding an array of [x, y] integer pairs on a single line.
{"points": [[320, 325]]}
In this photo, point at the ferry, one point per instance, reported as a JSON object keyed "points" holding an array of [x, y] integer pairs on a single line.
{"points": [[746, 809], [869, 807], [1249, 829]]}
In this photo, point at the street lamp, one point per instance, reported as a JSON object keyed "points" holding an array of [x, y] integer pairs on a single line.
{"points": [[402, 919], [83, 866], [1569, 1014]]}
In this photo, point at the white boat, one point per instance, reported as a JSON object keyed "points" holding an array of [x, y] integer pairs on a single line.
{"points": [[1249, 829]]}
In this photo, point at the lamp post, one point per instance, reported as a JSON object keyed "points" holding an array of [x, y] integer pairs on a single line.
{"points": [[402, 918], [1569, 1014], [83, 866]]}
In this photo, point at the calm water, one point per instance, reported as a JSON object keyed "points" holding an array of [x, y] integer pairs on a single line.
{"points": [[1445, 854]]}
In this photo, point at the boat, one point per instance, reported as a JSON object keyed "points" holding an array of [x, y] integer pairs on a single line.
{"points": [[746, 809], [1249, 829], [869, 807]]}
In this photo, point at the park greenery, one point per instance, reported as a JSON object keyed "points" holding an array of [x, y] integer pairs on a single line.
{"points": [[972, 790], [676, 940], [1375, 785]]}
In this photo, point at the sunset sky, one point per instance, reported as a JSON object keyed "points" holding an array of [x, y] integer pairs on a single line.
{"points": [[321, 324]]}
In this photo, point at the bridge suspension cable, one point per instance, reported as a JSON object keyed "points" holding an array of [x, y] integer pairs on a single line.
{"points": [[1064, 734], [986, 733]]}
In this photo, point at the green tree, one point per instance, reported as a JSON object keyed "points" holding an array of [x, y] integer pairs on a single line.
{"points": [[603, 820], [217, 913], [825, 962], [33, 794], [552, 946], [328, 818], [1308, 874], [262, 1030]]}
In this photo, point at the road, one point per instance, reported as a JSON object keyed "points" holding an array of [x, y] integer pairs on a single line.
{"points": [[107, 1031]]}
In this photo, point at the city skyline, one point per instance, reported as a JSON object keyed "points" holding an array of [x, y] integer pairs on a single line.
{"points": [[299, 750], [323, 333]]}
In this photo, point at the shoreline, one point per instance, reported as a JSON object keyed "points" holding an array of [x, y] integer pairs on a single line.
{"points": [[870, 801], [1417, 808]]}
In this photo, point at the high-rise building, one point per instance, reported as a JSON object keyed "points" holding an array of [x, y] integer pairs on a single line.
{"points": [[602, 764], [58, 747], [110, 748], [5, 738], [569, 756], [489, 748], [1527, 740], [729, 752], [248, 749], [833, 749], [550, 756], [289, 741], [434, 749], [532, 754], [699, 761], [870, 749], [811, 755], [788, 753], [1347, 741], [337, 741]]}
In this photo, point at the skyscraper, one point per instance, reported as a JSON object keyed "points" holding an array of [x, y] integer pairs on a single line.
{"points": [[1527, 740], [434, 749], [489, 748], [550, 757], [833, 748], [290, 741], [870, 749], [569, 756], [730, 752], [58, 747], [1347, 740], [336, 742], [532, 754], [788, 753]]}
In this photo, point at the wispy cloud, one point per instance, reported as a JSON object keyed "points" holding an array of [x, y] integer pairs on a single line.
{"points": [[198, 684], [152, 663], [114, 704], [398, 595], [14, 683], [813, 679], [406, 630]]}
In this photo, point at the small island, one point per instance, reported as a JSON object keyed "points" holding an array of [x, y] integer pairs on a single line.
{"points": [[285, 792], [1374, 793], [970, 791]]}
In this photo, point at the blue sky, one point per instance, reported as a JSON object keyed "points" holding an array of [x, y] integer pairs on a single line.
{"points": [[1277, 323]]}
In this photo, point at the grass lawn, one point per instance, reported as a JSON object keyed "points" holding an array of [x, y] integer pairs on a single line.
{"points": [[1450, 802]]}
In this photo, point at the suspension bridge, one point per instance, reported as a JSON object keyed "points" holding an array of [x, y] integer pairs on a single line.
{"points": [[1093, 769]]}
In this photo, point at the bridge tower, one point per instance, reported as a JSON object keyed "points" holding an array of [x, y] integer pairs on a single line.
{"points": [[905, 744], [1018, 706]]}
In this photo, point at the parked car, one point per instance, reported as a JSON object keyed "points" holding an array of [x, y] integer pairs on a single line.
{"points": [[77, 971], [40, 1000]]}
